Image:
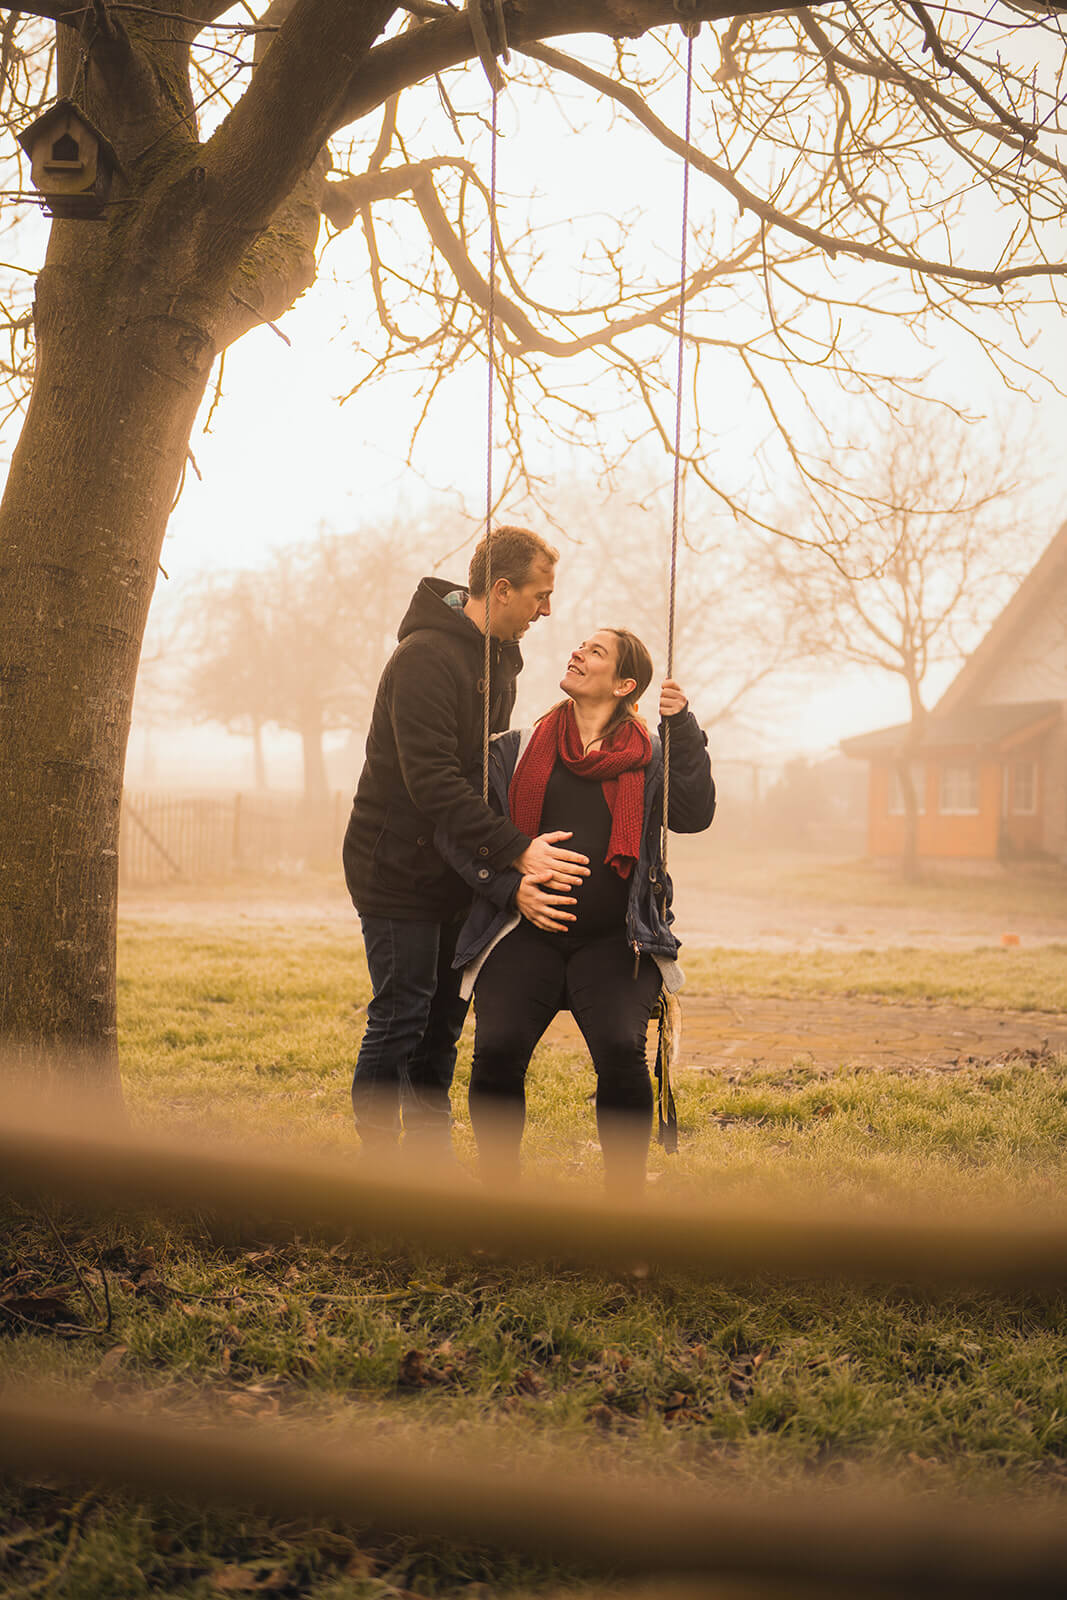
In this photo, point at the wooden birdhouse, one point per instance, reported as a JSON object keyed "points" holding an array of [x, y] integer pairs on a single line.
{"points": [[72, 164]]}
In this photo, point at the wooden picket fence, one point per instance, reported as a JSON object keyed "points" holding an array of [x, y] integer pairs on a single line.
{"points": [[171, 837]]}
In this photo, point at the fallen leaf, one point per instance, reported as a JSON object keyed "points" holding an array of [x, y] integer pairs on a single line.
{"points": [[412, 1371], [39, 1307], [235, 1580], [251, 1580], [681, 1414], [112, 1361]]}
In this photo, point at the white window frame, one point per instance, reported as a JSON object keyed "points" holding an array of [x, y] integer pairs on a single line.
{"points": [[946, 782], [895, 798], [1018, 810]]}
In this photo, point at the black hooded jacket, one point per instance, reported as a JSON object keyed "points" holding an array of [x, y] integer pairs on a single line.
{"points": [[424, 766]]}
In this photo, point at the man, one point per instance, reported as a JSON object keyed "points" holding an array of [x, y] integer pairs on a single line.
{"points": [[423, 771]]}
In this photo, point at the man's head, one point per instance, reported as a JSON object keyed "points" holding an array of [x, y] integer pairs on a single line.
{"points": [[522, 570]]}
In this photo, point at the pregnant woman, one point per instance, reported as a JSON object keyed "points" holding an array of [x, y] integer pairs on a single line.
{"points": [[589, 769]]}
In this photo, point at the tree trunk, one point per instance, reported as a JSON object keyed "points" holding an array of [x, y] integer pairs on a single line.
{"points": [[259, 761], [130, 314], [910, 864], [315, 792], [91, 487]]}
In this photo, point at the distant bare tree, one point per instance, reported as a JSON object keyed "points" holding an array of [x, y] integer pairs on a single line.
{"points": [[925, 573], [232, 666], [729, 644], [299, 643], [159, 698]]}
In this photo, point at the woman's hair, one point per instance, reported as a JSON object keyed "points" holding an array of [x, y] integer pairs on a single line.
{"points": [[632, 661]]}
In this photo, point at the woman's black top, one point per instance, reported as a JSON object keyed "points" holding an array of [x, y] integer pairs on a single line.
{"points": [[578, 804]]}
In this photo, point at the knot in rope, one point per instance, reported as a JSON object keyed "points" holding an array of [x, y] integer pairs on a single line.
{"points": [[490, 34], [687, 19]]}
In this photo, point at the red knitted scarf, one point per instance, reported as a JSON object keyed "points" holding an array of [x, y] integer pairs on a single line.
{"points": [[619, 764]]}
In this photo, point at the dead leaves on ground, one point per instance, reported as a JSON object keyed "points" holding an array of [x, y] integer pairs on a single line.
{"points": [[298, 1559], [622, 1399], [38, 1558], [444, 1365], [312, 1295], [43, 1309]]}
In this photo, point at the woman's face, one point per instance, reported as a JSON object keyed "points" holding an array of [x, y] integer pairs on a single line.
{"points": [[590, 675]]}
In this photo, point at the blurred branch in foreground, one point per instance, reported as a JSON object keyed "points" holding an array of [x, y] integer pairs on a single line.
{"points": [[101, 1169], [854, 1539]]}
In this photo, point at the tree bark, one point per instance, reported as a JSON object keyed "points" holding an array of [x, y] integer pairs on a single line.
{"points": [[910, 863], [259, 762], [91, 486], [315, 791], [910, 859]]}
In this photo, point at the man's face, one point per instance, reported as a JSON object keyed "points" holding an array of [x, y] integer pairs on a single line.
{"points": [[513, 609]]}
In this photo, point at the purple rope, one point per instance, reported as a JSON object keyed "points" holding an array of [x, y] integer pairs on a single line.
{"points": [[679, 373], [491, 333]]}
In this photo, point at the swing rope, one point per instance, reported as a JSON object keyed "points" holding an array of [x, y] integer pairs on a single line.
{"points": [[670, 1017], [489, 32], [491, 388], [672, 587]]}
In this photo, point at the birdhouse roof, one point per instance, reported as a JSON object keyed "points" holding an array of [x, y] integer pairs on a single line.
{"points": [[56, 112]]}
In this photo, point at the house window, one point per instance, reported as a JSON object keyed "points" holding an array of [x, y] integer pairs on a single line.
{"points": [[959, 791], [1024, 788], [896, 790]]}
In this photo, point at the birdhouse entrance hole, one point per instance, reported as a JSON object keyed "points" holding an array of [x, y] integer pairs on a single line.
{"points": [[65, 152]]}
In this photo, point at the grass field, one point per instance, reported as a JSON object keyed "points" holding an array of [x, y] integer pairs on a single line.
{"points": [[1012, 979], [716, 863], [760, 1383]]}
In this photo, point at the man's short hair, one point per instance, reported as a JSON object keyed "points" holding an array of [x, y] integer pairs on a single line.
{"points": [[515, 552]]}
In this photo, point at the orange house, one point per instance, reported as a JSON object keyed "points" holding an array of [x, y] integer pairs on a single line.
{"points": [[990, 774]]}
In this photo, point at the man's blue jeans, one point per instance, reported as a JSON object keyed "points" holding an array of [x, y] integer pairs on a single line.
{"points": [[414, 1020]]}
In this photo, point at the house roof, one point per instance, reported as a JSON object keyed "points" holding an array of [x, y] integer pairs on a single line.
{"points": [[971, 725], [969, 683]]}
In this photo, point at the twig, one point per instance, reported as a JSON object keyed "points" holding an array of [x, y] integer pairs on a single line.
{"points": [[14, 1540], [59, 1570], [218, 393], [88, 1293], [107, 1293]]}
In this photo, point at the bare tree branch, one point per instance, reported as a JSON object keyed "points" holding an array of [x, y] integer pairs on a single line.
{"points": [[832, 245], [279, 126]]}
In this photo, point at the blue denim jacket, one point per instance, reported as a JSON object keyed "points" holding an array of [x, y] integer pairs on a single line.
{"points": [[648, 912]]}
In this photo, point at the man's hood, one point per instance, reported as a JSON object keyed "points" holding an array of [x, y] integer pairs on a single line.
{"points": [[430, 609]]}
